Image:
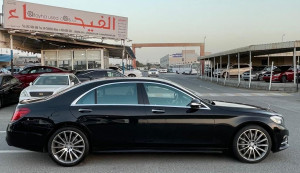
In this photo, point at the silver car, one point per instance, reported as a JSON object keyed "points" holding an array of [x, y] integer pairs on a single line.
{"points": [[257, 73]]}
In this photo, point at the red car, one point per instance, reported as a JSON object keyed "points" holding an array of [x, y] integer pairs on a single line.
{"points": [[31, 73], [281, 74]]}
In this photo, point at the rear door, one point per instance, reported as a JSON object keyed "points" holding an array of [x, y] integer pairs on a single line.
{"points": [[109, 112], [170, 122]]}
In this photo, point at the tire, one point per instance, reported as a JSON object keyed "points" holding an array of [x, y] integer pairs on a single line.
{"points": [[66, 152], [283, 79], [252, 148], [260, 77], [131, 75]]}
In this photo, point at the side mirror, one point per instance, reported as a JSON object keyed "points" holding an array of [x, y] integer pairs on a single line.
{"points": [[30, 83], [195, 104]]}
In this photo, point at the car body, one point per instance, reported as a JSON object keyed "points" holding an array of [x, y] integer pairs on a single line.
{"points": [[141, 114], [10, 89], [256, 73], [4, 71], [128, 72], [153, 72], [280, 74], [86, 75], [218, 72], [163, 70], [29, 74], [234, 70], [48, 84]]}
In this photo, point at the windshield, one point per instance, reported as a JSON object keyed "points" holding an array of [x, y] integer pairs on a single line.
{"points": [[153, 70], [52, 80]]}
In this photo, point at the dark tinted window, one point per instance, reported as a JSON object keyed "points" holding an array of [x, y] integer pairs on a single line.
{"points": [[25, 71], [281, 68], [244, 66], [89, 98], [124, 93], [74, 79], [99, 74], [165, 95]]}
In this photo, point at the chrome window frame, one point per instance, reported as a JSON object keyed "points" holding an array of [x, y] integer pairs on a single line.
{"points": [[182, 90]]}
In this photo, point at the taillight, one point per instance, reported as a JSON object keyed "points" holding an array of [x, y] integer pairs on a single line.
{"points": [[19, 113]]}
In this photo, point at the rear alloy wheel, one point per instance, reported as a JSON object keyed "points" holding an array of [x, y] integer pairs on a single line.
{"points": [[260, 78], [131, 75], [68, 146], [283, 79], [252, 144]]}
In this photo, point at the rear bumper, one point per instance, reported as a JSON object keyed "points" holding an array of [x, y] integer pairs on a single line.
{"points": [[28, 140]]}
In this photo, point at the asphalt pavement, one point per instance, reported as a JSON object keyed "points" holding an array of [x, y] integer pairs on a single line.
{"points": [[17, 160]]}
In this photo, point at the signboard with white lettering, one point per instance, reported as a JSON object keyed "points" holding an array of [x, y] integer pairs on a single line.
{"points": [[35, 17]]}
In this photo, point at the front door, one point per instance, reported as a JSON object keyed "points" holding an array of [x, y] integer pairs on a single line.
{"points": [[170, 122]]}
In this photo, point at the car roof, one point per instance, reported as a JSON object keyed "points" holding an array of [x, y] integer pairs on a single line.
{"points": [[56, 74]]}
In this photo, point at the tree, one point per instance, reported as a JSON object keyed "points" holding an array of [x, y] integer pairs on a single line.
{"points": [[139, 64]]}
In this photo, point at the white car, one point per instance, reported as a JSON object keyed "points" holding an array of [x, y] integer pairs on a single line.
{"points": [[153, 72], [48, 84], [163, 70], [129, 73]]}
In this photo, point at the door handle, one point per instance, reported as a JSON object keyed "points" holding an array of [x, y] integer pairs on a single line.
{"points": [[85, 110], [158, 111]]}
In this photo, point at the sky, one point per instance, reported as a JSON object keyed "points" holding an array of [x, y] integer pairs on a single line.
{"points": [[227, 24]]}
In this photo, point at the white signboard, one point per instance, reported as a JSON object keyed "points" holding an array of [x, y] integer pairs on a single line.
{"points": [[35, 17]]}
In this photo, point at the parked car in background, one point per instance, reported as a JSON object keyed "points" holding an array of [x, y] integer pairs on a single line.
{"points": [[10, 89], [289, 74], [234, 70], [86, 75], [4, 71], [163, 70], [48, 84], [131, 114], [153, 72], [128, 72], [16, 69], [31, 73], [256, 73], [279, 74]]}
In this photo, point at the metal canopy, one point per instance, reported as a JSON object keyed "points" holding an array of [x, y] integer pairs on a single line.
{"points": [[262, 49], [37, 42]]}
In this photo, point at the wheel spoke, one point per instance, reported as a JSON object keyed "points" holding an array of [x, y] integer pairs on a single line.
{"points": [[74, 138], [62, 154], [255, 135], [61, 139], [70, 136], [74, 154], [262, 140], [243, 148], [259, 137], [65, 136], [71, 156], [78, 141], [262, 145], [66, 156], [257, 152], [58, 142], [79, 146], [77, 151], [243, 139], [58, 151], [261, 149]]}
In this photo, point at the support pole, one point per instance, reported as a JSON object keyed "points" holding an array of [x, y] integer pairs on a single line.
{"points": [[102, 58], [228, 67], [11, 55], [270, 84], [239, 72], [214, 65], [210, 70], [295, 65], [268, 60], [123, 56], [250, 62], [217, 73]]}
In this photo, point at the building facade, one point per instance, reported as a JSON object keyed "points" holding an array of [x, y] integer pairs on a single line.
{"points": [[185, 57]]}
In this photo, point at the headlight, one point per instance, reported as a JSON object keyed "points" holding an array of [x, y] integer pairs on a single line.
{"points": [[277, 74], [277, 119], [149, 72], [24, 94]]}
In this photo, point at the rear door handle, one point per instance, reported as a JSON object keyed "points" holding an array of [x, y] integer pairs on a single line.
{"points": [[158, 111], [85, 110]]}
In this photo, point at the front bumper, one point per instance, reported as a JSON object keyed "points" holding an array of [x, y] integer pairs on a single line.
{"points": [[280, 138]]}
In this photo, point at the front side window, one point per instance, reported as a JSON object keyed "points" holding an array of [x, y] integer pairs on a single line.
{"points": [[166, 96], [114, 94]]}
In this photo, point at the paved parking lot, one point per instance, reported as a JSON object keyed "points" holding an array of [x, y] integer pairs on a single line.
{"points": [[288, 104]]}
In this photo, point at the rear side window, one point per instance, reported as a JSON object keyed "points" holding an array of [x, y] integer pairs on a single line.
{"points": [[120, 93]]}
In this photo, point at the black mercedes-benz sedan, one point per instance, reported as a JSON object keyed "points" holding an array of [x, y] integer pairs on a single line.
{"points": [[142, 114]]}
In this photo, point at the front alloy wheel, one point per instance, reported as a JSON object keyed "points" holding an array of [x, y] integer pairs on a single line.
{"points": [[68, 146], [252, 144]]}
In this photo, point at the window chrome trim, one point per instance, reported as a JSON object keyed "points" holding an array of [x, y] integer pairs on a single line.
{"points": [[136, 82]]}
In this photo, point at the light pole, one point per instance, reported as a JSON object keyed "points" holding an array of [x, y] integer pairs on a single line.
{"points": [[282, 37]]}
